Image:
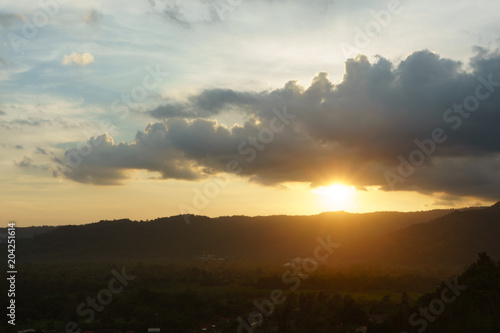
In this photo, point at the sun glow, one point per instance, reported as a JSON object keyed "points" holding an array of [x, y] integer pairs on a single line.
{"points": [[336, 196]]}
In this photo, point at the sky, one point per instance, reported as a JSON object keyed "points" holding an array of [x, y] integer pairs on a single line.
{"points": [[151, 108]]}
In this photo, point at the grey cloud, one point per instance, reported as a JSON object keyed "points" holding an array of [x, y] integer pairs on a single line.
{"points": [[41, 151], [443, 203], [208, 103], [462, 176], [189, 14], [2, 113], [31, 121], [57, 121], [28, 122], [150, 153], [18, 147], [173, 14], [28, 162], [352, 131], [24, 162]]}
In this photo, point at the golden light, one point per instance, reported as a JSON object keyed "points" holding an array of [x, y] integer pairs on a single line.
{"points": [[336, 196]]}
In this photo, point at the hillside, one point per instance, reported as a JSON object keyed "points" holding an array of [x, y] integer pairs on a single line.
{"points": [[237, 237], [386, 239], [476, 307], [452, 240], [25, 232]]}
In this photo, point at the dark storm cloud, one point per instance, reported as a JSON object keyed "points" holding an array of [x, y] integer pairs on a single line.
{"points": [[353, 131]]}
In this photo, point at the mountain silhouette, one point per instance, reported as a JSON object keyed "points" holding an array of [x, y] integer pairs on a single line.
{"points": [[438, 238]]}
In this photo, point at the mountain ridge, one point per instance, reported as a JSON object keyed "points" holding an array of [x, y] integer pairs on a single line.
{"points": [[415, 239]]}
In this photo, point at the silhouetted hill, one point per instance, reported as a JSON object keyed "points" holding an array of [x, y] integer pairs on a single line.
{"points": [[433, 239], [236, 237], [25, 232], [452, 240]]}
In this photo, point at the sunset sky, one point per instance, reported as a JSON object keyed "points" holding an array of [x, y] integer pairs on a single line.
{"points": [[152, 108]]}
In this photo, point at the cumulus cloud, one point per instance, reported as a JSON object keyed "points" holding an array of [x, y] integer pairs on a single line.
{"points": [[354, 131], [148, 152], [78, 59]]}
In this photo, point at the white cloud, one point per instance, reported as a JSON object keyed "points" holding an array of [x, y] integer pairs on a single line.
{"points": [[78, 59]]}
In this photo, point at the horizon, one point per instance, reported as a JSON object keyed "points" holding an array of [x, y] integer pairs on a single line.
{"points": [[255, 216]]}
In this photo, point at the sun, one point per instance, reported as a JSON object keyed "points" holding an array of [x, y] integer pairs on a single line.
{"points": [[336, 196]]}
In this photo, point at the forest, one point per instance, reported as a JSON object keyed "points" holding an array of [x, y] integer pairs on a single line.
{"points": [[210, 296]]}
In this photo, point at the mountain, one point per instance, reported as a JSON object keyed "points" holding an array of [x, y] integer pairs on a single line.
{"points": [[238, 237], [452, 240], [25, 232], [433, 239]]}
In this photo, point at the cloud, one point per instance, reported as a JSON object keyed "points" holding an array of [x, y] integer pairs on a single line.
{"points": [[93, 16], [173, 14], [185, 14], [189, 14], [151, 154], [208, 103], [27, 162], [78, 59], [353, 131], [29, 121], [24, 162], [19, 147], [41, 151], [2, 113]]}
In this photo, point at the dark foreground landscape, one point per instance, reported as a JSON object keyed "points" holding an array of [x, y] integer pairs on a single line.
{"points": [[434, 271]]}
